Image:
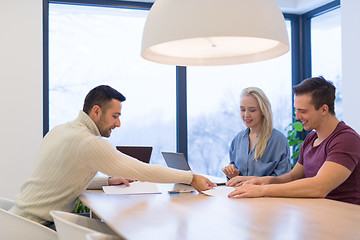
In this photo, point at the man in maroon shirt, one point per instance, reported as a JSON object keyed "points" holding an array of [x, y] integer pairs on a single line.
{"points": [[329, 161]]}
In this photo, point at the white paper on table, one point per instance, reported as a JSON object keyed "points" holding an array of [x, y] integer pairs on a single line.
{"points": [[220, 191], [134, 188]]}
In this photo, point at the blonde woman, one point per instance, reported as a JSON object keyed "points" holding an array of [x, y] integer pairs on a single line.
{"points": [[260, 150]]}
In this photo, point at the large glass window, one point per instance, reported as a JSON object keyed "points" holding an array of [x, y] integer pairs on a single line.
{"points": [[326, 51], [214, 106], [90, 46]]}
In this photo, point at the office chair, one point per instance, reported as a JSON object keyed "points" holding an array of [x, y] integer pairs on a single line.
{"points": [[6, 204], [74, 226], [15, 227]]}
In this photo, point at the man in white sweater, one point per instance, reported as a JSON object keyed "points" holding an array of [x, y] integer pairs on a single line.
{"points": [[71, 154]]}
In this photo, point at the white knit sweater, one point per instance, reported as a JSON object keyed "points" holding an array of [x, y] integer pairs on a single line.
{"points": [[67, 161]]}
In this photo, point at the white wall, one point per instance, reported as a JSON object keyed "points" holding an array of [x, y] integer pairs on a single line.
{"points": [[20, 91], [350, 19]]}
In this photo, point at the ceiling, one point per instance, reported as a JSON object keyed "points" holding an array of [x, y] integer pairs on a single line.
{"points": [[300, 6], [287, 6]]}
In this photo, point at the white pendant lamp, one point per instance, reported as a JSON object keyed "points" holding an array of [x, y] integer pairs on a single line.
{"points": [[214, 32]]}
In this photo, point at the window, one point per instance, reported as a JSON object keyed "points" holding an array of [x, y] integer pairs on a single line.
{"points": [[326, 51], [90, 46], [214, 106]]}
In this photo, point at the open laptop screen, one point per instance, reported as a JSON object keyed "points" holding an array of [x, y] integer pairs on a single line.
{"points": [[139, 152], [176, 160]]}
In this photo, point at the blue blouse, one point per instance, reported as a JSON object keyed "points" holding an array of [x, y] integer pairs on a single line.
{"points": [[274, 162]]}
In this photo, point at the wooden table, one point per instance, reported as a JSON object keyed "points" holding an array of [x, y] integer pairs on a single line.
{"points": [[197, 216]]}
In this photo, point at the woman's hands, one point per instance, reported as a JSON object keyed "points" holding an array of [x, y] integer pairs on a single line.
{"points": [[249, 186], [231, 171]]}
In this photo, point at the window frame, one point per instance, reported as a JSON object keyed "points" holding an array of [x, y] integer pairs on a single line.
{"points": [[301, 45], [300, 57]]}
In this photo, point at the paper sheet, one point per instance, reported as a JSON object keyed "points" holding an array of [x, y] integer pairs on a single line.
{"points": [[134, 188], [220, 191]]}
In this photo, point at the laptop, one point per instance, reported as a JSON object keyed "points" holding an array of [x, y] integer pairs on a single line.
{"points": [[178, 161], [141, 153]]}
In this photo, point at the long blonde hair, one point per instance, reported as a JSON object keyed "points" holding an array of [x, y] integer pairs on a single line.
{"points": [[267, 125]]}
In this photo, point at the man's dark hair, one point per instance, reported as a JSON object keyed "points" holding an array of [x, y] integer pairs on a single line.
{"points": [[321, 91], [100, 96]]}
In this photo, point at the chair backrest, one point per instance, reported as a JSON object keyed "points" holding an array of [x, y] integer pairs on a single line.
{"points": [[74, 226], [15, 227], [100, 236], [6, 204]]}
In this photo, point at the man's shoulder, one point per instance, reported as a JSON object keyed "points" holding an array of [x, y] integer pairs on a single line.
{"points": [[344, 139], [346, 132], [345, 127], [71, 129]]}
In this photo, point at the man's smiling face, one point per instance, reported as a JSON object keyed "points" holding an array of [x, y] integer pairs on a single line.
{"points": [[306, 112]]}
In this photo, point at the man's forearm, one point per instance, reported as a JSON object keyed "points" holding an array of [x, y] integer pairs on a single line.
{"points": [[282, 179], [330, 176], [294, 184], [296, 173], [306, 187]]}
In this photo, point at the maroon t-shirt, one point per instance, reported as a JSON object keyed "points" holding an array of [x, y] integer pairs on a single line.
{"points": [[342, 146]]}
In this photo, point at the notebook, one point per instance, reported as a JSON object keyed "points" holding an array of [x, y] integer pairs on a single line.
{"points": [[139, 152], [178, 161]]}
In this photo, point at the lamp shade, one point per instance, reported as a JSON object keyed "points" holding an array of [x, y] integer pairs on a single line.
{"points": [[213, 32]]}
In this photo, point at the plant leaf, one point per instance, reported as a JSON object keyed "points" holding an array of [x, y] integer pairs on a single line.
{"points": [[298, 126]]}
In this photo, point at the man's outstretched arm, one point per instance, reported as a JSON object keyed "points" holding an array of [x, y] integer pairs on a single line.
{"points": [[330, 176]]}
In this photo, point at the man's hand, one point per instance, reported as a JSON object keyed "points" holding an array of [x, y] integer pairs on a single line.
{"points": [[239, 180], [231, 171], [201, 183], [119, 181], [260, 180], [248, 190]]}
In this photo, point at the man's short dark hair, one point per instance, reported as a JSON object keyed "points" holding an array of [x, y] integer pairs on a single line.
{"points": [[321, 91], [100, 96]]}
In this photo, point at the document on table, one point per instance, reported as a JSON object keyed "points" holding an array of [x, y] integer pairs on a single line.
{"points": [[134, 188], [220, 191]]}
